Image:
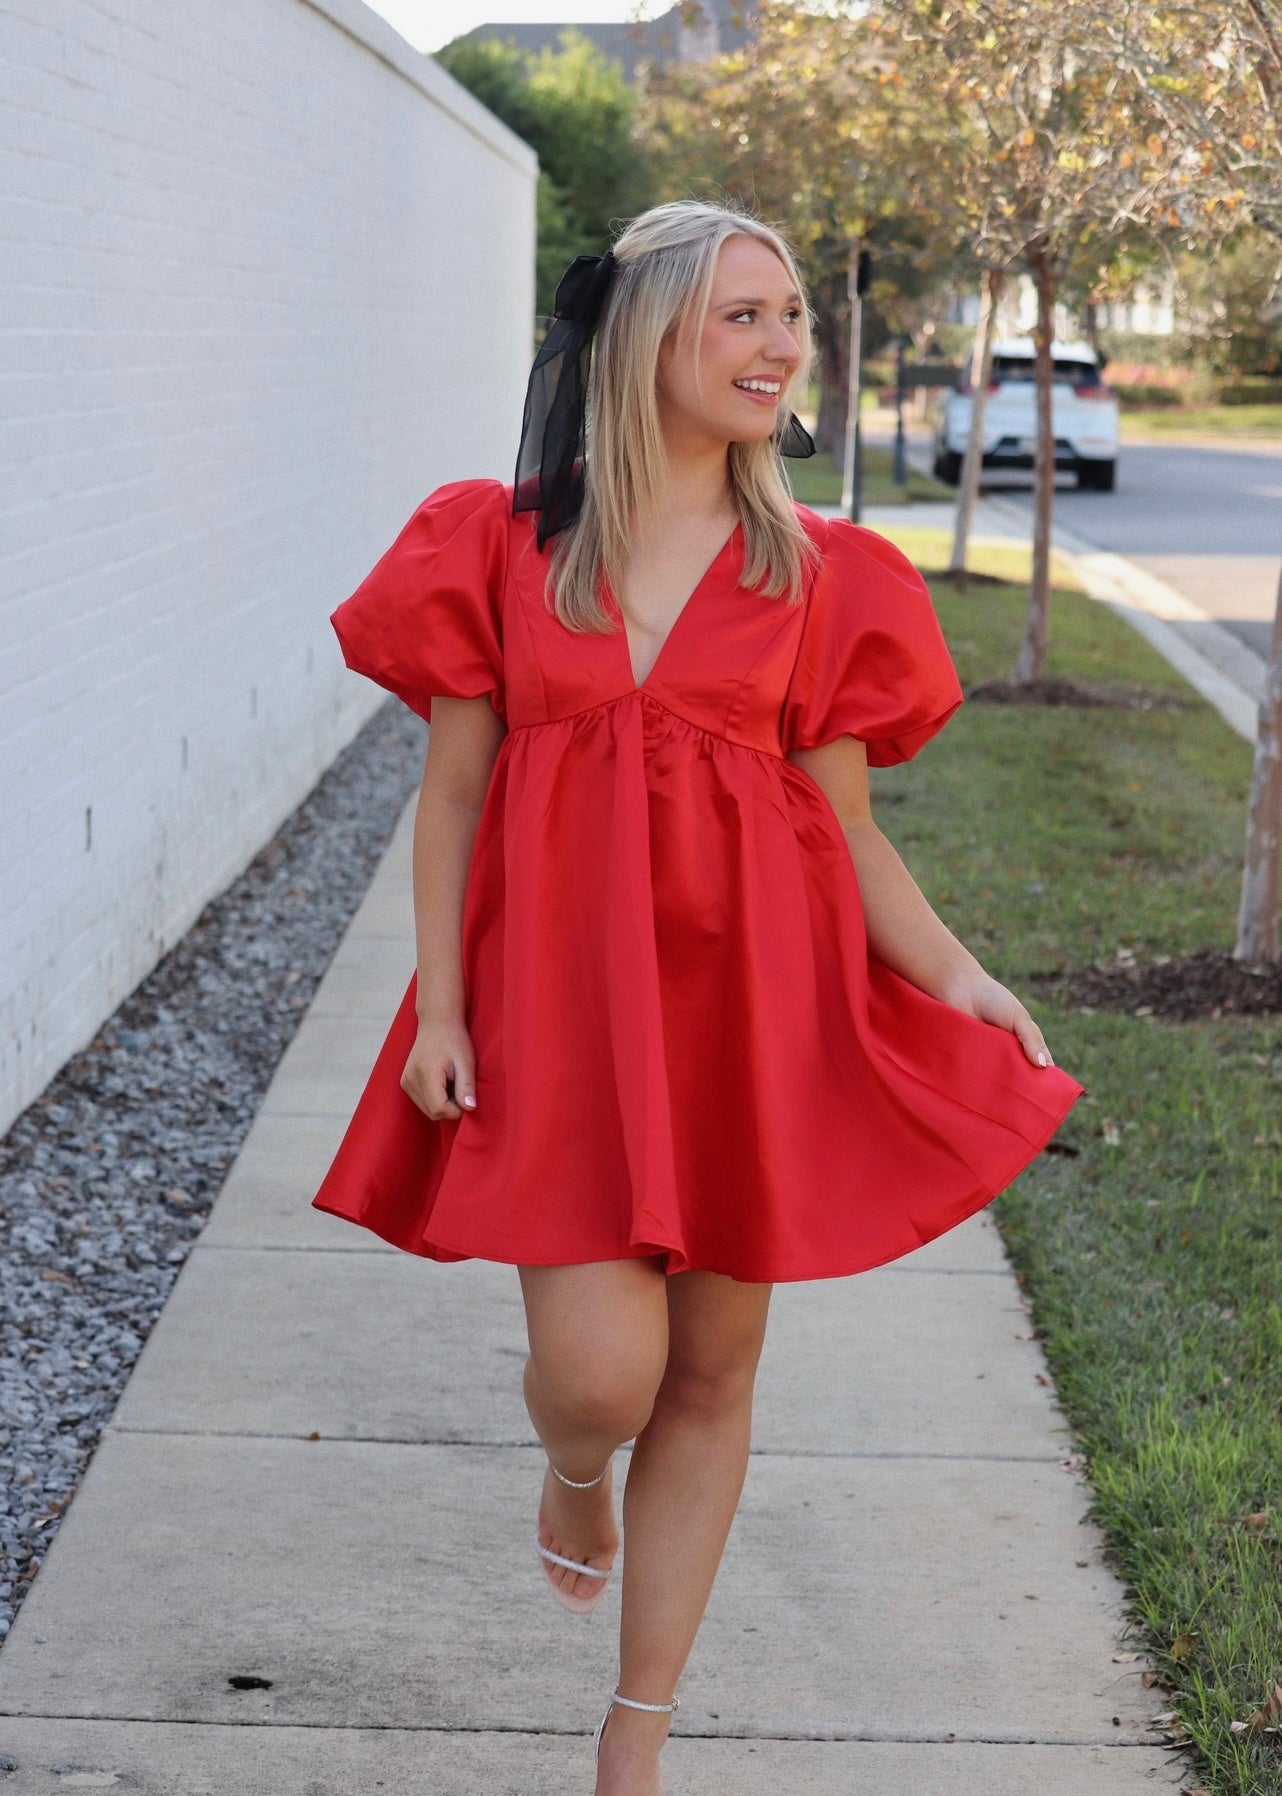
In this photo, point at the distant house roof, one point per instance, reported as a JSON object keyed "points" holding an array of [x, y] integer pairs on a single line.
{"points": [[668, 38]]}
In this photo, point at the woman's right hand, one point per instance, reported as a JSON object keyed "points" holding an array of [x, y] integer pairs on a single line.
{"points": [[440, 1073]]}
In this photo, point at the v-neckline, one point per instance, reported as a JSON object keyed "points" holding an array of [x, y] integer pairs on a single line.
{"points": [[675, 625]]}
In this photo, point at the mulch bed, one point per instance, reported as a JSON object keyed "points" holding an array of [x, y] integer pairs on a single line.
{"points": [[961, 581], [1209, 983], [1125, 696]]}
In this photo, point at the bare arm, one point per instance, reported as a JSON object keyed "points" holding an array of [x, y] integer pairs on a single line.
{"points": [[902, 929], [464, 738]]}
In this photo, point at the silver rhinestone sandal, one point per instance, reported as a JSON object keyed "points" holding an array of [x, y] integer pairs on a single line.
{"points": [[651, 1708], [577, 1605]]}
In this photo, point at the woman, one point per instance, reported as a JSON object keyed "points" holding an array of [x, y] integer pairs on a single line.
{"points": [[682, 1023]]}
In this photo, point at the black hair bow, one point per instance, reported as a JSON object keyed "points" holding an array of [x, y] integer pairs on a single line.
{"points": [[549, 460]]}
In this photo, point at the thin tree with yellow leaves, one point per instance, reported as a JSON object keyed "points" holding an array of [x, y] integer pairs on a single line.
{"points": [[1215, 76], [819, 128], [1052, 153]]}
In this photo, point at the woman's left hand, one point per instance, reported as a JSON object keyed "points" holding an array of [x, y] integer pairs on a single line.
{"points": [[978, 994]]}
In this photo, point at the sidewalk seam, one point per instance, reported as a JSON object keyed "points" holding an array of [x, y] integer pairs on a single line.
{"points": [[574, 1733], [320, 1248], [398, 1440]]}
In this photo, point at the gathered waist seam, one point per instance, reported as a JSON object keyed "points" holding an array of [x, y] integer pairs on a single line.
{"points": [[622, 698]]}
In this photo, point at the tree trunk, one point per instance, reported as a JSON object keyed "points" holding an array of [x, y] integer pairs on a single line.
{"points": [[834, 335], [1032, 654], [981, 372], [1257, 919]]}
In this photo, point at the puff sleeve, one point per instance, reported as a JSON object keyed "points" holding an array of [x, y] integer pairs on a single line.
{"points": [[872, 660], [427, 618]]}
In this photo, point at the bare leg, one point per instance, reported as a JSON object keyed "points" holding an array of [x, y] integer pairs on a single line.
{"points": [[683, 1488], [598, 1346]]}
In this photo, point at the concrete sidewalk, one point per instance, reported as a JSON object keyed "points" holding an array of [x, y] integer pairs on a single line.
{"points": [[300, 1559]]}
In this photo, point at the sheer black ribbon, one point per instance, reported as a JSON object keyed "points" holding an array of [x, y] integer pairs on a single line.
{"points": [[549, 461]]}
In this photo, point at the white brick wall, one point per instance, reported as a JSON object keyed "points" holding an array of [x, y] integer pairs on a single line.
{"points": [[266, 279]]}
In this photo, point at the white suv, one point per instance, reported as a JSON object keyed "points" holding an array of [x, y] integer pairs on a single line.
{"points": [[1084, 416]]}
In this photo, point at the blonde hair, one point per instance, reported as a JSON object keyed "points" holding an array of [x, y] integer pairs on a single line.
{"points": [[667, 261]]}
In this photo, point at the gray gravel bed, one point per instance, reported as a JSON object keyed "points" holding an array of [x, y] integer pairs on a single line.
{"points": [[108, 1177]]}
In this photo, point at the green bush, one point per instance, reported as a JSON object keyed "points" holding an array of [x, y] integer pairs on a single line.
{"points": [[1251, 389], [953, 341], [1139, 395], [1145, 346]]}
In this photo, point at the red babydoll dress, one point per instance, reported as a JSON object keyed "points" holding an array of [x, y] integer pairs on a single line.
{"points": [[683, 1045]]}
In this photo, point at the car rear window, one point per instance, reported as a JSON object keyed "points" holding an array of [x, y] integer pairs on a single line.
{"points": [[1067, 373]]}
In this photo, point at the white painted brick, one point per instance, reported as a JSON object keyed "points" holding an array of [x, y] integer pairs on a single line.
{"points": [[268, 278]]}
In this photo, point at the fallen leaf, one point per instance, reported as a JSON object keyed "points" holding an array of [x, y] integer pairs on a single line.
{"points": [[52, 1275], [1260, 1519], [1183, 1647], [1268, 1716], [1125, 1658]]}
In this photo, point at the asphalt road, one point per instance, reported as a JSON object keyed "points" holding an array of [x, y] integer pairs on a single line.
{"points": [[1206, 517]]}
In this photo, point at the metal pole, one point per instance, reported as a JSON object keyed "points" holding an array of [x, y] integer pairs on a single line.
{"points": [[901, 470], [849, 473], [857, 279]]}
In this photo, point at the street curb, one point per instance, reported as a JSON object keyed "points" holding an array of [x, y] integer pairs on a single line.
{"points": [[1216, 664]]}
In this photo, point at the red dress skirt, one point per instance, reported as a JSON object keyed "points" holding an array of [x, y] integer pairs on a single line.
{"points": [[684, 1047]]}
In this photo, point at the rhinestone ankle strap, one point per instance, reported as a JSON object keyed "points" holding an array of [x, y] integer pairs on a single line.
{"points": [[651, 1708], [574, 1483]]}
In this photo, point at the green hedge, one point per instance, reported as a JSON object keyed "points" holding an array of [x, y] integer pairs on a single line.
{"points": [[1251, 389], [1139, 395]]}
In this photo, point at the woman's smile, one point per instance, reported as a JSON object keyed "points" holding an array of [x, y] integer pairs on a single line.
{"points": [[765, 389]]}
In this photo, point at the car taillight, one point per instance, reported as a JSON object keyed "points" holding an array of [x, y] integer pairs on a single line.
{"points": [[1096, 391]]}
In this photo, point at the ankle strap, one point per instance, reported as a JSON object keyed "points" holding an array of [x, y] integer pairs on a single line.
{"points": [[651, 1708], [574, 1483]]}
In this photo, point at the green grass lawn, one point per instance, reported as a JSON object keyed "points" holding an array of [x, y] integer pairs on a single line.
{"points": [[1217, 420], [1153, 1251], [817, 481], [1010, 561]]}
